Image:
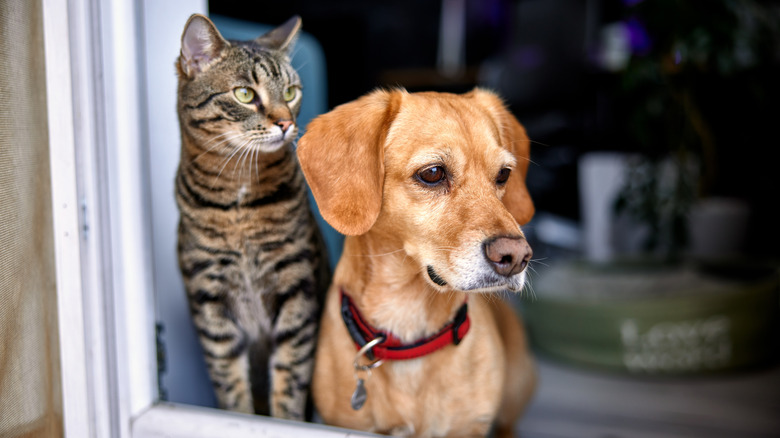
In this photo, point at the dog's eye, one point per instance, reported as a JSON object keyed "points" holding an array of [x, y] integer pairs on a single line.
{"points": [[503, 176], [432, 175]]}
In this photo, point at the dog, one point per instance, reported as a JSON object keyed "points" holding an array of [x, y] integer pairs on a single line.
{"points": [[429, 190]]}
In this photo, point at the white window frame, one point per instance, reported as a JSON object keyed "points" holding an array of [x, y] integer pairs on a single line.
{"points": [[98, 130]]}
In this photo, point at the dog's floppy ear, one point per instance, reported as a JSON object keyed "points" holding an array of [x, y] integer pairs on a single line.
{"points": [[513, 136], [342, 157], [517, 199]]}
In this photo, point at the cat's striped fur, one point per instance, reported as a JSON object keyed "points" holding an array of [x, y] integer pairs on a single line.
{"points": [[249, 249]]}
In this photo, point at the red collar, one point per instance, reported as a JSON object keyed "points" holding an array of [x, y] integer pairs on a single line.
{"points": [[391, 347]]}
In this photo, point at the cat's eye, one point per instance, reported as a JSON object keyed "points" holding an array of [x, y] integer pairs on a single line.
{"points": [[503, 176], [244, 95], [290, 93]]}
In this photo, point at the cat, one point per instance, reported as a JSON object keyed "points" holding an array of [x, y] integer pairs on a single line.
{"points": [[250, 252]]}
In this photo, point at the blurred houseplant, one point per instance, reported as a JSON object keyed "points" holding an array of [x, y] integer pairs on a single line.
{"points": [[692, 64], [693, 100]]}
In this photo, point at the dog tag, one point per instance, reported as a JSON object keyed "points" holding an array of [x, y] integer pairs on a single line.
{"points": [[359, 396]]}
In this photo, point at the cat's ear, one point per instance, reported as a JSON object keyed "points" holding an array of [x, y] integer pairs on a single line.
{"points": [[283, 37], [201, 44], [342, 157]]}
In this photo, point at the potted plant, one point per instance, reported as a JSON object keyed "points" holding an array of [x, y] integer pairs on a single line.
{"points": [[687, 59]]}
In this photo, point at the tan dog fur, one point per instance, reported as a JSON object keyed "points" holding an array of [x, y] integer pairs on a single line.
{"points": [[361, 160]]}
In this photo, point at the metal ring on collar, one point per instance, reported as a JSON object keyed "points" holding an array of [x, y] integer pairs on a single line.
{"points": [[362, 352]]}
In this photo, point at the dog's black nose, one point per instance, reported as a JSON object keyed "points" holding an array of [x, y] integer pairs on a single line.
{"points": [[508, 255]]}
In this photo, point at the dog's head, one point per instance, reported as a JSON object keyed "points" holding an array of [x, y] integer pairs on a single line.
{"points": [[442, 175]]}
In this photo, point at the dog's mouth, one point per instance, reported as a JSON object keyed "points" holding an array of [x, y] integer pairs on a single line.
{"points": [[485, 285]]}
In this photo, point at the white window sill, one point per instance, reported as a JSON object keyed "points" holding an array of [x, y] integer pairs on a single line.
{"points": [[167, 420]]}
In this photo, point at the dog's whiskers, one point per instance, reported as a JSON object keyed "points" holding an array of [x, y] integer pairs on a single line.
{"points": [[445, 248], [378, 255], [528, 288], [430, 296], [524, 158], [540, 143]]}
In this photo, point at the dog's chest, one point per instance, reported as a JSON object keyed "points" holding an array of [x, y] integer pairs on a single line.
{"points": [[436, 421], [426, 405]]}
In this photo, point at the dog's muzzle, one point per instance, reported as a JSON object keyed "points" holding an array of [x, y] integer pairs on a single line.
{"points": [[508, 256]]}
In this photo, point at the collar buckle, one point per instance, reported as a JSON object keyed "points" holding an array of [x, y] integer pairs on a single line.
{"points": [[460, 318]]}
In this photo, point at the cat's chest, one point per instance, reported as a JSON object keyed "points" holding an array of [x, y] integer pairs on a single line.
{"points": [[253, 281], [242, 222], [241, 193]]}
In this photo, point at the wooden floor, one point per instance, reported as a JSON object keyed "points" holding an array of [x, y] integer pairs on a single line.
{"points": [[580, 403]]}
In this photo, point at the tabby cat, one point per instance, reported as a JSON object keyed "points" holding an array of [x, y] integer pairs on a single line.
{"points": [[249, 249]]}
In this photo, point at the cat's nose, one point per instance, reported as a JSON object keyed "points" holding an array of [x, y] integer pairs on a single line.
{"points": [[284, 124]]}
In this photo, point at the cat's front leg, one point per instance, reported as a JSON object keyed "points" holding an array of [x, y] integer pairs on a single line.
{"points": [[295, 336], [227, 356]]}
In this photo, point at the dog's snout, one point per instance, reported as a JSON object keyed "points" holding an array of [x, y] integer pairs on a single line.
{"points": [[508, 256]]}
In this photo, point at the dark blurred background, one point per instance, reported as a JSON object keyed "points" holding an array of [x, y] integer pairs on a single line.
{"points": [[696, 80]]}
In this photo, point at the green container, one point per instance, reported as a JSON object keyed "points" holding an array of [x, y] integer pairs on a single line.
{"points": [[656, 320]]}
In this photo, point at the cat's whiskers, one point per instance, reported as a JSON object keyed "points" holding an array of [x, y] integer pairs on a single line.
{"points": [[210, 149], [252, 161], [254, 158], [294, 52], [225, 138], [257, 164], [303, 64], [241, 160], [217, 137], [246, 149], [226, 161]]}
